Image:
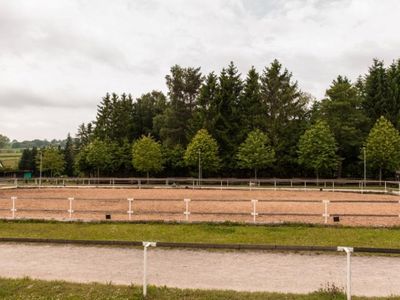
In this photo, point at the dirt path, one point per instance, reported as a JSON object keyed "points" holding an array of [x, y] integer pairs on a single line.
{"points": [[242, 271]]}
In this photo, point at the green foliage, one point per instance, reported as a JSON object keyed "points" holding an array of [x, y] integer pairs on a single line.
{"points": [[285, 114], [383, 146], [146, 108], [174, 160], [69, 153], [147, 155], [255, 152], [98, 156], [52, 161], [28, 160], [317, 148], [226, 122], [203, 147], [183, 89], [343, 113]]}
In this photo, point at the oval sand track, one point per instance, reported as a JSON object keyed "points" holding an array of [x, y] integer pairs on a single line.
{"points": [[241, 271]]}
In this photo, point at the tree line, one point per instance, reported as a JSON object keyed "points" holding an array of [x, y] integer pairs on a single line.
{"points": [[227, 124]]}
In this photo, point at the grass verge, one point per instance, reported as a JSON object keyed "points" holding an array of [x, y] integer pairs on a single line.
{"points": [[37, 289], [305, 235]]}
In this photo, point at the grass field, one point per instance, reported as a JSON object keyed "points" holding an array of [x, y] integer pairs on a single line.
{"points": [[36, 289], [9, 159], [207, 233]]}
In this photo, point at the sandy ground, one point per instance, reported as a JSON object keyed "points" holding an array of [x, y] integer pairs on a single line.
{"points": [[205, 205], [241, 271]]}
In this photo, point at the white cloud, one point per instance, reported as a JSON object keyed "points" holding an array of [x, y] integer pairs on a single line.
{"points": [[63, 56]]}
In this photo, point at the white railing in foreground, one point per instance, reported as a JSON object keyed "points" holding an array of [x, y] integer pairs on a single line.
{"points": [[347, 250]]}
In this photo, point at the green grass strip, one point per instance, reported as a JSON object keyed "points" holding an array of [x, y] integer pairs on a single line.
{"points": [[37, 289], [304, 235]]}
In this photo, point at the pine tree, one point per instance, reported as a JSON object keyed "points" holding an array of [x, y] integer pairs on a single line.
{"points": [[286, 118], [183, 88], [376, 102], [227, 119], [251, 109], [69, 156]]}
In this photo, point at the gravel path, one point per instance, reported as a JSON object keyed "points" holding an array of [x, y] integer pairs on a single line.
{"points": [[242, 271]]}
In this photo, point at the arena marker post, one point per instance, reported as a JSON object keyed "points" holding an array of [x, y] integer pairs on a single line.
{"points": [[70, 211], [274, 185], [146, 245], [385, 188], [13, 209], [348, 251], [130, 211], [325, 214], [254, 212], [186, 212]]}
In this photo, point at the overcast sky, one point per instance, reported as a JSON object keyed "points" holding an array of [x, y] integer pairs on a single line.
{"points": [[58, 58]]}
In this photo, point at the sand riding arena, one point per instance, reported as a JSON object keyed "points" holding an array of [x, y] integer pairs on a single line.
{"points": [[201, 205]]}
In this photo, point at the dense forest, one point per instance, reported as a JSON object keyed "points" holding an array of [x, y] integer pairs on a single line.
{"points": [[229, 124]]}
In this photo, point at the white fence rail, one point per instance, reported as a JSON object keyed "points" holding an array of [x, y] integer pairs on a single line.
{"points": [[243, 210], [211, 183]]}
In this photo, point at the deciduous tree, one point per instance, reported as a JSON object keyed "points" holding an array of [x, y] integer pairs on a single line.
{"points": [[383, 147], [317, 148], [255, 152]]}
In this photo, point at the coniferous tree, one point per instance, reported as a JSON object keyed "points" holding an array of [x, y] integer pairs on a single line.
{"points": [[69, 153], [207, 104], [183, 88], [252, 111], [375, 100], [343, 113], [286, 115], [227, 120]]}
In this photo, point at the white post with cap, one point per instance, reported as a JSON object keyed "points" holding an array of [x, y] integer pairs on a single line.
{"points": [[348, 251], [146, 245]]}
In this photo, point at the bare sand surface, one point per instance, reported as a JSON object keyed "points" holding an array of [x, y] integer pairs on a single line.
{"points": [[205, 205], [241, 271]]}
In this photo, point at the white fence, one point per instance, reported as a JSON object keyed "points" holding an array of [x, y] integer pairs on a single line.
{"points": [[384, 212], [211, 183]]}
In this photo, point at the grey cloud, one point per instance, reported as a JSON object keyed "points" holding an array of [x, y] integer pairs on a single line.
{"points": [[16, 99]]}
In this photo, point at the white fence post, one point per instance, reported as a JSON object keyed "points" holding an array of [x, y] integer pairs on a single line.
{"points": [[130, 211], [146, 245], [70, 211], [385, 188], [348, 251], [186, 212], [274, 185], [13, 209], [254, 213], [325, 214]]}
